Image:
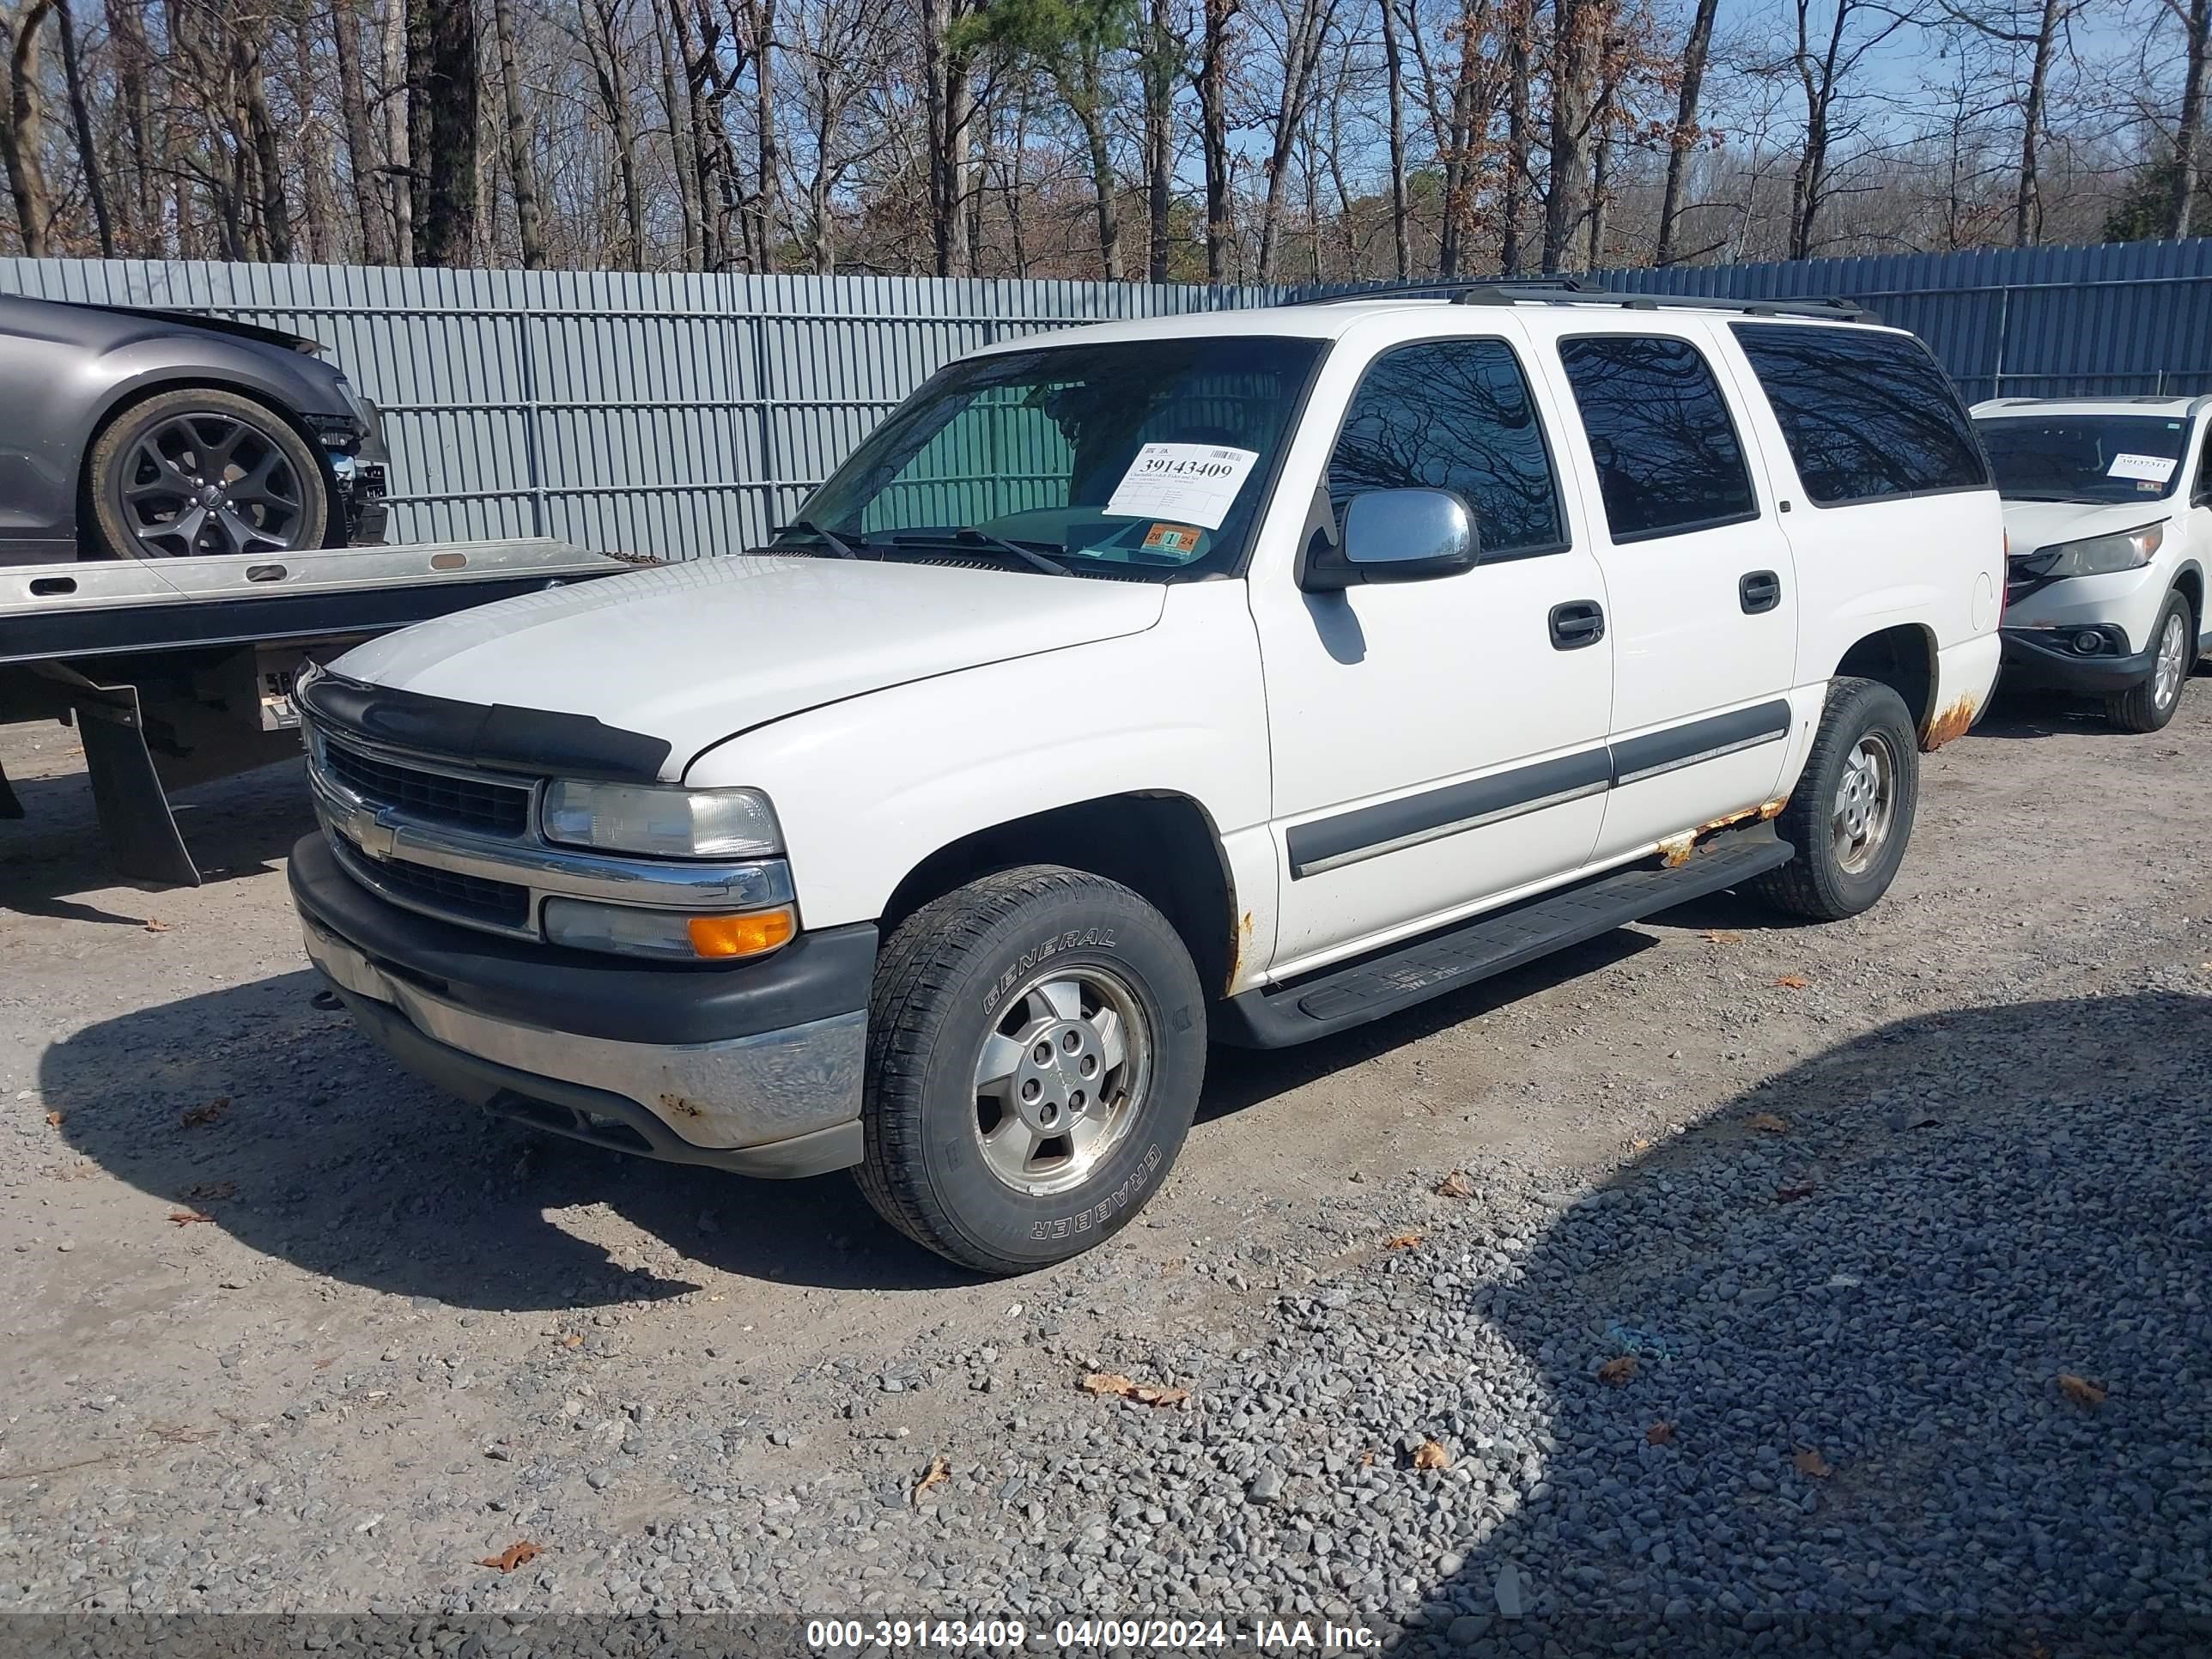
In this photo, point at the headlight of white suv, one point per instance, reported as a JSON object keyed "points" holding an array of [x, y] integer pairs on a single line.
{"points": [[2099, 555], [659, 821]]}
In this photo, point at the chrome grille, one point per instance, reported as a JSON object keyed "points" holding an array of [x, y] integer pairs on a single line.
{"points": [[500, 904], [466, 803]]}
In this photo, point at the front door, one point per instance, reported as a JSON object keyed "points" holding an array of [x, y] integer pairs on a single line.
{"points": [[1438, 744], [1703, 596]]}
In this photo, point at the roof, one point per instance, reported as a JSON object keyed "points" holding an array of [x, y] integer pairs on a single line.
{"points": [[2179, 408], [1330, 318]]}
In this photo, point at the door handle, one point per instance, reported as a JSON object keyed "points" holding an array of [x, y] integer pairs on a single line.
{"points": [[1577, 623], [1759, 590]]}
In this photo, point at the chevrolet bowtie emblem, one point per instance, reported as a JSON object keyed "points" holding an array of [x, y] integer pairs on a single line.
{"points": [[375, 839]]}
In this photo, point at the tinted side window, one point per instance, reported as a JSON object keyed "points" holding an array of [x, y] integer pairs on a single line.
{"points": [[1667, 458], [1865, 415], [1454, 415]]}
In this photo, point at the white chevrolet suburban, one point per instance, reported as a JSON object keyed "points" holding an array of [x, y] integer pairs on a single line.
{"points": [[2108, 503], [1238, 677]]}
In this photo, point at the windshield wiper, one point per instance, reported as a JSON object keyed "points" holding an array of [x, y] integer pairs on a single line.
{"points": [[838, 545], [973, 537]]}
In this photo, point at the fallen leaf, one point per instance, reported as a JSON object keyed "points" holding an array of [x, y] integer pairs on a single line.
{"points": [[1639, 1144], [1456, 1185], [939, 1473], [1367, 1458], [1767, 1123], [198, 1117], [325, 1362], [1431, 1455], [1810, 1462], [1616, 1370], [1793, 981], [573, 1339], [1721, 936], [1122, 1387], [515, 1555], [155, 925], [1791, 1195], [53, 1119], [1659, 1434], [2080, 1390], [207, 1191], [1401, 1241], [186, 1218]]}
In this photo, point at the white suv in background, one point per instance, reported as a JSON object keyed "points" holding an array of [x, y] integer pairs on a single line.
{"points": [[1247, 676], [2108, 507]]}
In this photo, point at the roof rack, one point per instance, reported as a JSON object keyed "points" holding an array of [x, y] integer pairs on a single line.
{"points": [[1573, 290]]}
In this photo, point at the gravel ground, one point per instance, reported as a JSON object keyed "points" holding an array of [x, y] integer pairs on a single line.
{"points": [[1790, 1289]]}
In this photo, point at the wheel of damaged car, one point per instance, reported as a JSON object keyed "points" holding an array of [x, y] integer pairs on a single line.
{"points": [[199, 472], [1036, 1041]]}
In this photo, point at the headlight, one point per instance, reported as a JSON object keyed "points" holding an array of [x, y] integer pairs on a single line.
{"points": [[2099, 555], [664, 822], [672, 935], [352, 402]]}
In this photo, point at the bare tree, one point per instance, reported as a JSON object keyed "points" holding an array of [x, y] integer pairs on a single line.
{"points": [[521, 168], [1682, 138], [22, 132], [1305, 28], [1400, 238], [1212, 80], [1824, 64], [1577, 38]]}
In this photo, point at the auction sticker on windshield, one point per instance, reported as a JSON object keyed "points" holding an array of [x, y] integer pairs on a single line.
{"points": [[2145, 469], [1195, 482]]}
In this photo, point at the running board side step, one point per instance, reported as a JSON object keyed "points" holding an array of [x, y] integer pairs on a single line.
{"points": [[1337, 999]]}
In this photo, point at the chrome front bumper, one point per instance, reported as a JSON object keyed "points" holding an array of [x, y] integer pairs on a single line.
{"points": [[734, 1102]]}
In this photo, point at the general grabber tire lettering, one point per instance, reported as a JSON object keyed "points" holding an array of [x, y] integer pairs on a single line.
{"points": [[1851, 815], [1036, 1041]]}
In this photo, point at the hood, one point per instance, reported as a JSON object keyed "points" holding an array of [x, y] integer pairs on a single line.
{"points": [[697, 652], [230, 326], [2032, 525]]}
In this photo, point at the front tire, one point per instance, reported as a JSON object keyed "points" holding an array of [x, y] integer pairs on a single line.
{"points": [[1850, 814], [2149, 705], [198, 472], [1037, 1041]]}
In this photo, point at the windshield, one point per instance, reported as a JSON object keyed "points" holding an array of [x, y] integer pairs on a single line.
{"points": [[1135, 459], [2085, 458]]}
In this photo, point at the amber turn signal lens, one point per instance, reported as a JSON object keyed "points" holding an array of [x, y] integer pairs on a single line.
{"points": [[747, 935]]}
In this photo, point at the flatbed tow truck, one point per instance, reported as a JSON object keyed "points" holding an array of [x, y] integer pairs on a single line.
{"points": [[175, 672]]}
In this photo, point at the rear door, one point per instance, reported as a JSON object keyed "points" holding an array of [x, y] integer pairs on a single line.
{"points": [[1436, 744], [1702, 595]]}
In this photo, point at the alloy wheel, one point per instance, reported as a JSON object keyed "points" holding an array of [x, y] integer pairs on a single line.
{"points": [[204, 482], [1061, 1077]]}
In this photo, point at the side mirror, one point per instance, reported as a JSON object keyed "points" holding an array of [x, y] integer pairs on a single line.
{"points": [[1394, 535]]}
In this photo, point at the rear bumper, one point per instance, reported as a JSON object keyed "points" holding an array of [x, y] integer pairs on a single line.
{"points": [[755, 1069], [2039, 658]]}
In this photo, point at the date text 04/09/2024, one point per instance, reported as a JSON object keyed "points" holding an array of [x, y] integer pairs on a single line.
{"points": [[843, 1636]]}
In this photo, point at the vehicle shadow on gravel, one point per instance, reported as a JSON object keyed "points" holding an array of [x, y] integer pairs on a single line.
{"points": [[300, 1139], [283, 1123], [1906, 1352], [1241, 1079]]}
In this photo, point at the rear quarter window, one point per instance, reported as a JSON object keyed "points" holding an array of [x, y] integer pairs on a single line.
{"points": [[1866, 415]]}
